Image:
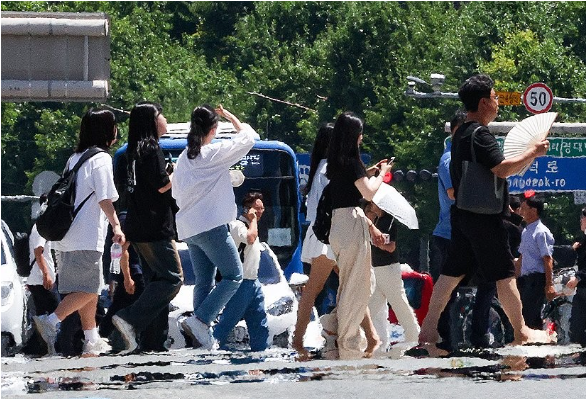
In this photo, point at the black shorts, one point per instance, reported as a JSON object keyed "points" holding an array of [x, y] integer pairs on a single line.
{"points": [[480, 240]]}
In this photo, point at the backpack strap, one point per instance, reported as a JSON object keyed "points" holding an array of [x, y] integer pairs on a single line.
{"points": [[35, 259], [92, 151], [242, 245]]}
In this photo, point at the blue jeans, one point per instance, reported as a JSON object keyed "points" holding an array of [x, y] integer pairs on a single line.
{"points": [[248, 303], [209, 250]]}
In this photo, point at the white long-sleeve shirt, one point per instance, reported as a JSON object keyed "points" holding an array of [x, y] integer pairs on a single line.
{"points": [[202, 186]]}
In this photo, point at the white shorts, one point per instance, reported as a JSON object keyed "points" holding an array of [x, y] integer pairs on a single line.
{"points": [[313, 248]]}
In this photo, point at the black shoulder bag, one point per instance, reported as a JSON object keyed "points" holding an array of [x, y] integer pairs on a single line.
{"points": [[480, 190]]}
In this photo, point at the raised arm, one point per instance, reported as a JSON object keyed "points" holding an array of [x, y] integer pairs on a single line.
{"points": [[369, 186], [229, 116]]}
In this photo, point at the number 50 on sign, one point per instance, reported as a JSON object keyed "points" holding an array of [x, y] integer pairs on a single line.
{"points": [[538, 98]]}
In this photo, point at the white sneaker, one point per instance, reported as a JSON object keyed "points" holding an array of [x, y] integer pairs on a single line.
{"points": [[127, 332], [95, 348], [200, 332], [47, 331]]}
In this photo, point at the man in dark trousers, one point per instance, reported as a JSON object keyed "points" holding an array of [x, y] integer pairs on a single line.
{"points": [[481, 239]]}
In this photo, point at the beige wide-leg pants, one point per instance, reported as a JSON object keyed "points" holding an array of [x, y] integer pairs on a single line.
{"points": [[390, 289], [350, 242]]}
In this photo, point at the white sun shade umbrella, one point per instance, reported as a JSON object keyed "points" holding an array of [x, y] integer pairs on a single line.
{"points": [[391, 201], [525, 134]]}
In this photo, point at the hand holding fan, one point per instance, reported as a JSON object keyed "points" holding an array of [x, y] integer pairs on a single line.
{"points": [[525, 134]]}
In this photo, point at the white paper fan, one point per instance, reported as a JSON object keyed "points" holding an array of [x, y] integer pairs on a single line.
{"points": [[525, 134]]}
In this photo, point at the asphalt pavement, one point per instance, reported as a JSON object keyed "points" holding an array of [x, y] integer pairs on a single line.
{"points": [[523, 372]]}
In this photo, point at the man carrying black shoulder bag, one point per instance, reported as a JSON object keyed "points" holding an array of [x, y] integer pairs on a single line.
{"points": [[478, 170]]}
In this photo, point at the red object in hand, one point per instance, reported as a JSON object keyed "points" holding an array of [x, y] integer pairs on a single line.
{"points": [[388, 177]]}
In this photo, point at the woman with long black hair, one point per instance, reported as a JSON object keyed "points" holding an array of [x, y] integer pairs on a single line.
{"points": [[351, 233], [320, 255], [149, 223], [205, 197]]}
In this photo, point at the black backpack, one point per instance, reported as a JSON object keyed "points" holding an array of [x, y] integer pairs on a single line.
{"points": [[22, 254], [323, 218], [57, 218]]}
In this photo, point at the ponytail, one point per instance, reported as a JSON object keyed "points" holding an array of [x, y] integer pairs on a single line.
{"points": [[203, 119]]}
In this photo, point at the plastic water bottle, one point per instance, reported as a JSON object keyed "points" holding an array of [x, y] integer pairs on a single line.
{"points": [[115, 255]]}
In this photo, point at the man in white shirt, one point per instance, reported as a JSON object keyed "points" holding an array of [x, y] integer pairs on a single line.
{"points": [[248, 301]]}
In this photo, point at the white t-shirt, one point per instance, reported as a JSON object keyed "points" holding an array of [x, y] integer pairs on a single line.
{"points": [[239, 231], [89, 228], [202, 186], [317, 187], [36, 241]]}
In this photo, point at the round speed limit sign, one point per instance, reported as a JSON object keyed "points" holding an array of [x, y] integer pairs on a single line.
{"points": [[538, 98]]}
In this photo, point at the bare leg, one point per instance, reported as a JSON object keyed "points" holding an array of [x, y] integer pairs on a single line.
{"points": [[74, 302], [87, 314], [511, 302], [372, 339], [321, 267], [442, 290]]}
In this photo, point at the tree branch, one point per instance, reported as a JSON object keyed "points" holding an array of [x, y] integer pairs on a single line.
{"points": [[281, 101]]}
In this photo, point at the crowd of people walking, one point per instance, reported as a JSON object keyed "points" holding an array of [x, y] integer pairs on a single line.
{"points": [[150, 203]]}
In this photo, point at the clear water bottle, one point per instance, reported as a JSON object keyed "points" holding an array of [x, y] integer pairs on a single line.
{"points": [[115, 255]]}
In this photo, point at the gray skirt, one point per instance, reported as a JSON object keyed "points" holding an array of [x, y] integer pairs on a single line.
{"points": [[79, 271]]}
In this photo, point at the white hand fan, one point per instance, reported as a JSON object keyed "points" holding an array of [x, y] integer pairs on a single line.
{"points": [[525, 134]]}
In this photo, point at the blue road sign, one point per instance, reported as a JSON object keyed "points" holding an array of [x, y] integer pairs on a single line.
{"points": [[551, 174]]}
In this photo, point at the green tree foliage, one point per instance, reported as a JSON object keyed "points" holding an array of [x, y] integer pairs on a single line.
{"points": [[317, 59]]}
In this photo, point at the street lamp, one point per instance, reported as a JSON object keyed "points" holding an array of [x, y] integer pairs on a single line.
{"points": [[437, 80]]}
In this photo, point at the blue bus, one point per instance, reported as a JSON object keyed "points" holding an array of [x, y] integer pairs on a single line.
{"points": [[271, 168]]}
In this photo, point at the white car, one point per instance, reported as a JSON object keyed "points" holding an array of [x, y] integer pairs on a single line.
{"points": [[16, 326], [280, 304]]}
